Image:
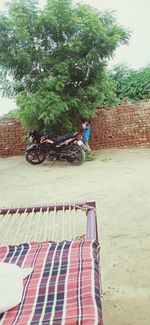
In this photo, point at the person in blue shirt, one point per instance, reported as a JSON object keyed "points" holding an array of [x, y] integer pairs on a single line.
{"points": [[86, 130]]}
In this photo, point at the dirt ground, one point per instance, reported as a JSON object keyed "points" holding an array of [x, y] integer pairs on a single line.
{"points": [[119, 181]]}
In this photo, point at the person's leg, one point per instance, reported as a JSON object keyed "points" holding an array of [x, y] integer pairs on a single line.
{"points": [[88, 149]]}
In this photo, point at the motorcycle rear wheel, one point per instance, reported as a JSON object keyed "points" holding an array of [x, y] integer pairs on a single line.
{"points": [[35, 156], [76, 155]]}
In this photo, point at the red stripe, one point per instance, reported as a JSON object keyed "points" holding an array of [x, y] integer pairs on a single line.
{"points": [[3, 253], [87, 301], [72, 279], [36, 256], [33, 286]]}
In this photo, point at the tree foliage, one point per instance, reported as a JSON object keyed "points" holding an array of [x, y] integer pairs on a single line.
{"points": [[56, 58], [131, 84]]}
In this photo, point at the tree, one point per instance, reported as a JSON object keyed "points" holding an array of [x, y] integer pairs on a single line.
{"points": [[131, 84], [57, 59]]}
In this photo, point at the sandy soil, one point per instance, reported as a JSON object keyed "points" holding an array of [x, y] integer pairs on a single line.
{"points": [[119, 181]]}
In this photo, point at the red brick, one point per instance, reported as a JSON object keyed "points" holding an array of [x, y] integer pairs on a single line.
{"points": [[123, 126]]}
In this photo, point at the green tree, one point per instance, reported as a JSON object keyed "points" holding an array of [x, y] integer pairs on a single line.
{"points": [[131, 84], [57, 60]]}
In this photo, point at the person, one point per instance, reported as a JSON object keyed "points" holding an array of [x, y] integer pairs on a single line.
{"points": [[86, 130]]}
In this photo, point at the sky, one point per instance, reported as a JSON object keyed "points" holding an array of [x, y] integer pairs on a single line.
{"points": [[132, 14]]}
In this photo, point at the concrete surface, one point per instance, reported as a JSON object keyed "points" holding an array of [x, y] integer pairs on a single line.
{"points": [[119, 181]]}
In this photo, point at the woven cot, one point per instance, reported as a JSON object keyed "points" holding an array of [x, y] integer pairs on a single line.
{"points": [[64, 287]]}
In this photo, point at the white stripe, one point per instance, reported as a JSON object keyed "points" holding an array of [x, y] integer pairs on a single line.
{"points": [[54, 223], [93, 285], [19, 255], [26, 255], [21, 222], [79, 286], [35, 238], [74, 222], [37, 289], [29, 221], [45, 216], [63, 216], [70, 224], [56, 285], [47, 287], [66, 284], [4, 221]]}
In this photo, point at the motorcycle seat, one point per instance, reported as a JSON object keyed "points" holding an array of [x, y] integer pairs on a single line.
{"points": [[65, 137]]}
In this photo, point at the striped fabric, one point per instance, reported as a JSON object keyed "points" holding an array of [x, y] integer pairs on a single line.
{"points": [[64, 287]]}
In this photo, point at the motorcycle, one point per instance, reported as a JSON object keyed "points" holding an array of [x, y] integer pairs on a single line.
{"points": [[54, 147]]}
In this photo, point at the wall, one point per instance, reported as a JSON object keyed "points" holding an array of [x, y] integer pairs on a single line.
{"points": [[123, 126], [12, 138]]}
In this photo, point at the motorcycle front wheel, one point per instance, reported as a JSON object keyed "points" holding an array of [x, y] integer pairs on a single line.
{"points": [[35, 156], [76, 155]]}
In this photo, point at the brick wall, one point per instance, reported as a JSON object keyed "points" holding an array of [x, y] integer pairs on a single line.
{"points": [[12, 138], [121, 126]]}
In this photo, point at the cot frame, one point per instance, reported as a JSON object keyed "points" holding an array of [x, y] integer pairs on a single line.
{"points": [[88, 206]]}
